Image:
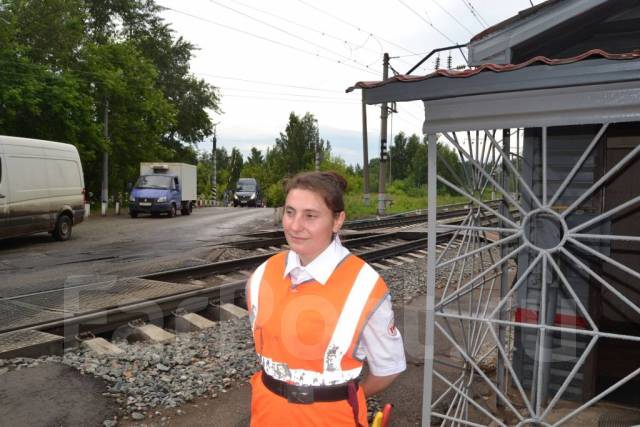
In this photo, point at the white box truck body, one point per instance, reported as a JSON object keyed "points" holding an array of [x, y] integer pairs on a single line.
{"points": [[164, 188]]}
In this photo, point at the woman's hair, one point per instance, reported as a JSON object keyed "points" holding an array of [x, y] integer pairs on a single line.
{"points": [[329, 185]]}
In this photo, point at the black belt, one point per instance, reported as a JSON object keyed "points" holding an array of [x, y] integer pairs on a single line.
{"points": [[306, 394]]}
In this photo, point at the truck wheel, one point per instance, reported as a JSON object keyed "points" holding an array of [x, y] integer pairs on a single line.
{"points": [[172, 211], [133, 214], [187, 209], [62, 231]]}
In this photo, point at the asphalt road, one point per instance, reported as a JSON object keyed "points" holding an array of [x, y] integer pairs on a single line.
{"points": [[103, 248]]}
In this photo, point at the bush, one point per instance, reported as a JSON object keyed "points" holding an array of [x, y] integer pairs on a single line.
{"points": [[405, 187], [275, 194]]}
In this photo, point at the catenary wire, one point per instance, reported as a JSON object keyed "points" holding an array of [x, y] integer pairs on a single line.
{"points": [[266, 83], [426, 21], [354, 26], [291, 100], [309, 28], [471, 9], [478, 13], [453, 17], [322, 33], [318, 55], [275, 27], [286, 94]]}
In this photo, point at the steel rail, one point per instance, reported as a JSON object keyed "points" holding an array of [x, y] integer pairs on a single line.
{"points": [[169, 303], [444, 213]]}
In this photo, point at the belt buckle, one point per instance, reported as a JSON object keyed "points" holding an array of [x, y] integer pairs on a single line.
{"points": [[300, 394]]}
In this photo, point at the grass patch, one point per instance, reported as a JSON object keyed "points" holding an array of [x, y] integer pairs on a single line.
{"points": [[356, 209]]}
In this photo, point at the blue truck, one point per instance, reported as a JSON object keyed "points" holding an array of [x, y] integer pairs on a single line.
{"points": [[164, 188]]}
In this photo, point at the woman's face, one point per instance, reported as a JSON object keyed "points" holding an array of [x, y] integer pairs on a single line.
{"points": [[309, 223]]}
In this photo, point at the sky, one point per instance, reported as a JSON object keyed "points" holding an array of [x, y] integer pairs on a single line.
{"points": [[271, 58]]}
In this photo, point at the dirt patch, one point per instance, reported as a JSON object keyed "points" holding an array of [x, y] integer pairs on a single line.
{"points": [[230, 409], [53, 395]]}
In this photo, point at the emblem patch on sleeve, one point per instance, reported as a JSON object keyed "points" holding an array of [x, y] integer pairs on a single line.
{"points": [[391, 329]]}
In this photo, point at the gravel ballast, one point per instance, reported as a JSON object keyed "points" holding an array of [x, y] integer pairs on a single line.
{"points": [[198, 364]]}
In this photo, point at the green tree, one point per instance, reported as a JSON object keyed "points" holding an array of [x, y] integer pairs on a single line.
{"points": [[449, 167], [399, 159], [297, 144], [138, 111], [256, 158], [49, 32], [204, 175], [374, 174], [63, 60], [235, 166]]}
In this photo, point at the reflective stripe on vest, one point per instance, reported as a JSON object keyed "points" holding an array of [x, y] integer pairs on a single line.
{"points": [[366, 290], [282, 372], [347, 323], [254, 290]]}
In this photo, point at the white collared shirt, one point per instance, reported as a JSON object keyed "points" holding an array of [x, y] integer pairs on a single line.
{"points": [[381, 343]]}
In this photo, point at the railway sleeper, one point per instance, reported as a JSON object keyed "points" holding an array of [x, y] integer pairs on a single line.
{"points": [[100, 346]]}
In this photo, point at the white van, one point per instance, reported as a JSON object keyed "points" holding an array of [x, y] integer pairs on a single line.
{"points": [[41, 187]]}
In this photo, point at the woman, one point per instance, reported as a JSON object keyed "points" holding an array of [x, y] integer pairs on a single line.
{"points": [[317, 312]]}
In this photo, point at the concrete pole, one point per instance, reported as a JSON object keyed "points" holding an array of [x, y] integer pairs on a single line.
{"points": [[383, 142], [104, 197], [391, 141], [365, 152], [214, 175]]}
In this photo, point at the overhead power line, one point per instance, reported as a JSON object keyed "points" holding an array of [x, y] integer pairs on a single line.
{"points": [[354, 26], [289, 99], [453, 17], [266, 83], [405, 111], [228, 27], [475, 13], [351, 45], [356, 46], [253, 18], [478, 13], [426, 21], [288, 94]]}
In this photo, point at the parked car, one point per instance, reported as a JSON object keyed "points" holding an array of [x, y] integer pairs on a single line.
{"points": [[247, 193], [41, 187], [164, 188]]}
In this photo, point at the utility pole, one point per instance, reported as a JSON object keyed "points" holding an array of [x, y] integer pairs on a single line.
{"points": [[317, 154], [214, 175], [365, 152], [393, 110], [105, 162], [383, 141]]}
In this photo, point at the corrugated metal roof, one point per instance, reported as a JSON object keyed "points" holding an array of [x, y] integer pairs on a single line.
{"points": [[498, 68], [522, 15]]}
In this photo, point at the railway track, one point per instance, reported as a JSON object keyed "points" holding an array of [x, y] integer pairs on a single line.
{"points": [[201, 289], [204, 288], [403, 220]]}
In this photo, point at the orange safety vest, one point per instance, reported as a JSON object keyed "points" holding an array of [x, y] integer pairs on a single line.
{"points": [[308, 336]]}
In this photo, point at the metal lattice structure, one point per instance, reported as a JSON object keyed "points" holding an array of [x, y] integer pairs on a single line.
{"points": [[512, 331], [500, 293]]}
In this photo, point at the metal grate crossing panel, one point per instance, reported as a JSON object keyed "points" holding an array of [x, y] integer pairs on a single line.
{"points": [[77, 300], [15, 315], [12, 342]]}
